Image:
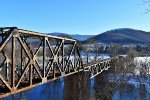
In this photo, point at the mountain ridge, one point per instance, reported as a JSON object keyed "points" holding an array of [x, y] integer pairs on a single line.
{"points": [[72, 36], [122, 36]]}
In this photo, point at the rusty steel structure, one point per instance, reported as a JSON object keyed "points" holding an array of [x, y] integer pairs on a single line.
{"points": [[29, 59], [98, 67]]}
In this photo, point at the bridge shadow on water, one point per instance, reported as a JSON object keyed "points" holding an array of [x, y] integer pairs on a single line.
{"points": [[80, 87]]}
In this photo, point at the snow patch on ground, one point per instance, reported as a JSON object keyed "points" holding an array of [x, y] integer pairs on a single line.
{"points": [[140, 62]]}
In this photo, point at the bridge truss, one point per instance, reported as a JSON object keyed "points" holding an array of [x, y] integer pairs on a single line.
{"points": [[29, 59]]}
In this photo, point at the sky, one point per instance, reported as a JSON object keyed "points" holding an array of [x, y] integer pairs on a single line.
{"points": [[88, 17]]}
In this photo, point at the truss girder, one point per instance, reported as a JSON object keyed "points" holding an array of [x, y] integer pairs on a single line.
{"points": [[31, 58]]}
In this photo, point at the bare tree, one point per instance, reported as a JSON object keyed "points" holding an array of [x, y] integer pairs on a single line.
{"points": [[146, 3], [115, 49], [87, 48], [117, 77], [96, 50]]}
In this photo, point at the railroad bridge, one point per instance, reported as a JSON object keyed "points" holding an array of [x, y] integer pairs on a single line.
{"points": [[29, 59]]}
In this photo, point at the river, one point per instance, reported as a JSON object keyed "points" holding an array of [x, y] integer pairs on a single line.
{"points": [[81, 87]]}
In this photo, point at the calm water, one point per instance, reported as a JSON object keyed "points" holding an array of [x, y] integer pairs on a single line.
{"points": [[81, 87]]}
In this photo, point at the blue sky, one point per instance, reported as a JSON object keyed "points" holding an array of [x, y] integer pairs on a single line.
{"points": [[74, 16]]}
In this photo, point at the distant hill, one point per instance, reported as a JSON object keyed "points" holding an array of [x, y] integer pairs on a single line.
{"points": [[81, 37], [64, 35], [76, 36], [122, 36]]}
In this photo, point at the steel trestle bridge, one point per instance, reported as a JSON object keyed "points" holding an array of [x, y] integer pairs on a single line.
{"points": [[29, 59]]}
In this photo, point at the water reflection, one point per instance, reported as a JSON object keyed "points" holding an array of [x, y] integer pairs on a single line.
{"points": [[81, 87], [132, 92], [142, 92], [53, 90]]}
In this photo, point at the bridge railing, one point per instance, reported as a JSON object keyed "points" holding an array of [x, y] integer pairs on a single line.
{"points": [[30, 58], [97, 67]]}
